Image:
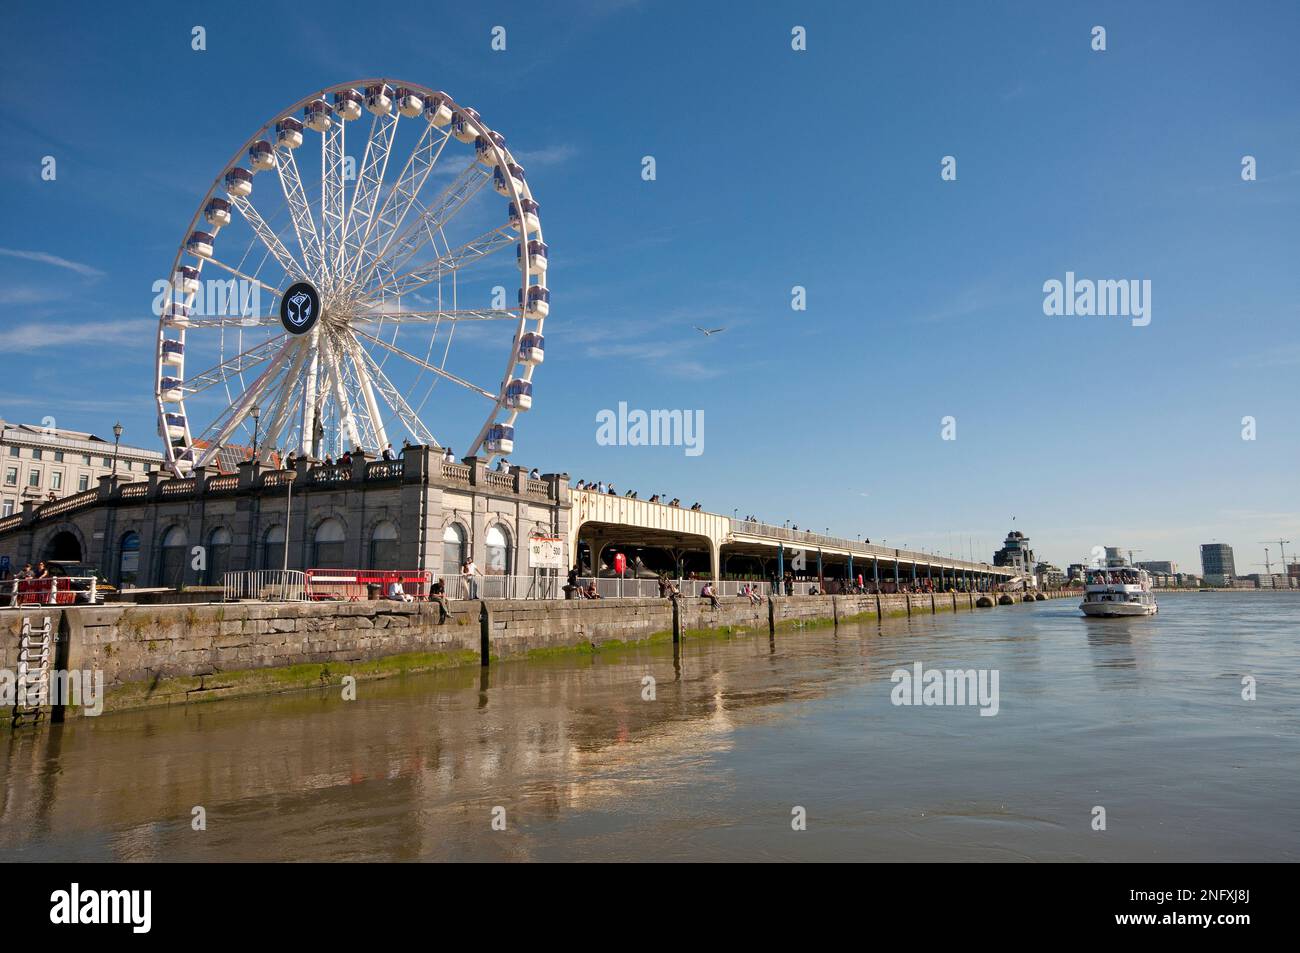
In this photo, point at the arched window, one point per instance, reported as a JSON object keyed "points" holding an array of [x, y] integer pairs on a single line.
{"points": [[218, 555], [328, 545], [498, 551], [383, 546], [273, 548], [173, 553], [453, 550], [128, 564]]}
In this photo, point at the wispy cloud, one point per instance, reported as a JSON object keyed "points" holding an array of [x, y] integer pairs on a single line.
{"points": [[40, 335], [45, 258], [550, 155]]}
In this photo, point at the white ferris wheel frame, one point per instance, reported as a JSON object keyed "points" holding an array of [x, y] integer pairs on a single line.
{"points": [[348, 245]]}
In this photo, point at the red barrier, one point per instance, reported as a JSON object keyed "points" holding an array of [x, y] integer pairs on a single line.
{"points": [[352, 585], [47, 592]]}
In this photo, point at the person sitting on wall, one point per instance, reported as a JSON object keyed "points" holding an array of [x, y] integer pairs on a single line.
{"points": [[438, 594], [590, 592], [397, 594], [708, 592]]}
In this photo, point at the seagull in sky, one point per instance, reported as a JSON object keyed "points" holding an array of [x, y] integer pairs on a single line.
{"points": [[707, 331]]}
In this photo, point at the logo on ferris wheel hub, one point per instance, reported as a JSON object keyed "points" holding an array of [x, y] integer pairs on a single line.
{"points": [[300, 308]]}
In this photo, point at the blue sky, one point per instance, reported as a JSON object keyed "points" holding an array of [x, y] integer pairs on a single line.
{"points": [[775, 168]]}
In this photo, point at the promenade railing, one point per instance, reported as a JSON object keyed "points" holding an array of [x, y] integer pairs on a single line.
{"points": [[267, 585], [53, 591]]}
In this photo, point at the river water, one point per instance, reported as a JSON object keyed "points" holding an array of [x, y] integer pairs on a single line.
{"points": [[1144, 718]]}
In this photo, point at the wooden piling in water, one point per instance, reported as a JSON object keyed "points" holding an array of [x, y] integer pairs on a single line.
{"points": [[484, 633], [677, 621], [771, 615], [908, 597]]}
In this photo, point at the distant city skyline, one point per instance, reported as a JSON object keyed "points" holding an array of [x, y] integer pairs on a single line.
{"points": [[924, 297]]}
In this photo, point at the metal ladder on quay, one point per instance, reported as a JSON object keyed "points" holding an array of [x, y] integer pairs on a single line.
{"points": [[32, 687]]}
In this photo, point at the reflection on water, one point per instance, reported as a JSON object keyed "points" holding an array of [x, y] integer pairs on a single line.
{"points": [[1142, 716]]}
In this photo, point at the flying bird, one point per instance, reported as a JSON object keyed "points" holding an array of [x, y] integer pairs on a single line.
{"points": [[707, 331]]}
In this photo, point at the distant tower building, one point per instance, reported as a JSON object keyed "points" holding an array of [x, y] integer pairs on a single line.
{"points": [[1216, 563], [1015, 552]]}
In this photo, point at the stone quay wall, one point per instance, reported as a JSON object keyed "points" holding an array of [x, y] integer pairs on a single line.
{"points": [[157, 655]]}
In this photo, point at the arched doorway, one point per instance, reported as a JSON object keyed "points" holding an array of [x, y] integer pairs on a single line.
{"points": [[453, 550], [219, 543], [128, 564], [63, 546], [383, 546], [171, 564], [273, 548], [329, 541], [497, 540]]}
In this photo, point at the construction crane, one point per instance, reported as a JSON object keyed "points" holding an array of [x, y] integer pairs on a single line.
{"points": [[1130, 555], [1268, 568], [1282, 544]]}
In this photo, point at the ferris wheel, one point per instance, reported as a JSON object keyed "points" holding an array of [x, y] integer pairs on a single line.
{"points": [[317, 312]]}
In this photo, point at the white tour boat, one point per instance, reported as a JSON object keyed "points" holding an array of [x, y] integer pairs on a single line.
{"points": [[1121, 591]]}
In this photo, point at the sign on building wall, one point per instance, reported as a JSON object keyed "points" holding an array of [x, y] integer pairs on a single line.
{"points": [[546, 552]]}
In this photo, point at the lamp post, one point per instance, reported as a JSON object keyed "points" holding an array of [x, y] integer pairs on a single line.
{"points": [[117, 440], [257, 414]]}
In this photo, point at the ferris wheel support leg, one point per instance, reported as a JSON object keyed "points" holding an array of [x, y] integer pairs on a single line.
{"points": [[372, 405], [351, 433], [310, 444]]}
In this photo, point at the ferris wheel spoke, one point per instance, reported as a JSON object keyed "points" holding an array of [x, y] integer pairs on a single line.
{"points": [[409, 418], [433, 217], [445, 375], [268, 238], [432, 317], [236, 321], [353, 419], [403, 196], [358, 230], [283, 402], [304, 226], [366, 402], [427, 273], [225, 425], [242, 276], [333, 194], [255, 355]]}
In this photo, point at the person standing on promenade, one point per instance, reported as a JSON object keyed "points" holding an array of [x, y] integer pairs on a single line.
{"points": [[469, 572]]}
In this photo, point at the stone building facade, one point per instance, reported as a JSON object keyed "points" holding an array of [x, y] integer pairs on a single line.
{"points": [[416, 512], [36, 461]]}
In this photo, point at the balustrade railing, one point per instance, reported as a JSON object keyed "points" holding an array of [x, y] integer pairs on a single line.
{"points": [[385, 470]]}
